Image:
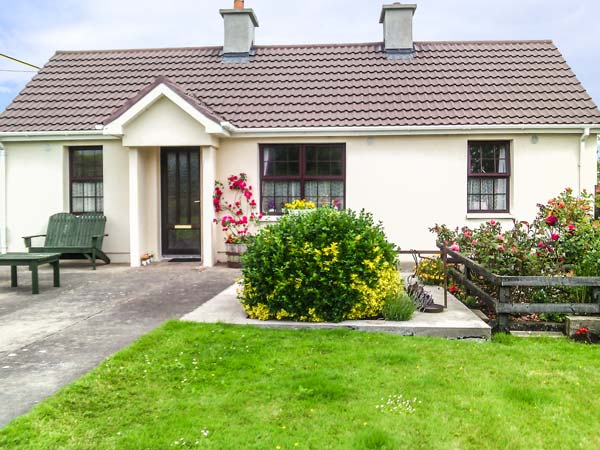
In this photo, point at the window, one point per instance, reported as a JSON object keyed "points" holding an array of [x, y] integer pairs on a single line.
{"points": [[488, 179], [87, 190], [315, 172]]}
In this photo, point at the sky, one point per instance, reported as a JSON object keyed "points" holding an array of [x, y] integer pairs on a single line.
{"points": [[33, 30]]}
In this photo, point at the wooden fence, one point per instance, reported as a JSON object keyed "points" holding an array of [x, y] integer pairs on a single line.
{"points": [[500, 299]]}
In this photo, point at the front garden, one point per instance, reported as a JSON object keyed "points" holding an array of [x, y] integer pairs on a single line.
{"points": [[531, 271], [231, 387]]}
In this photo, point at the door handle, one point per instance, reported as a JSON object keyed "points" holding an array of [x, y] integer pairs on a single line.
{"points": [[196, 201]]}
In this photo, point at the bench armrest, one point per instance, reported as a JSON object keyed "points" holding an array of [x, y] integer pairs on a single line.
{"points": [[95, 239], [28, 239]]}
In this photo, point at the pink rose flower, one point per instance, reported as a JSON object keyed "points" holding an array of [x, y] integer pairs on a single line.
{"points": [[501, 248], [555, 237], [492, 222], [551, 220], [455, 247], [500, 238]]}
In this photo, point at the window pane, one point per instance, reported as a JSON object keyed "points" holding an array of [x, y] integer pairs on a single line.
{"points": [[487, 202], [487, 185], [500, 202], [473, 203], [324, 193], [184, 183], [324, 160], [281, 160], [172, 187], [89, 189], [502, 166], [89, 204], [488, 166], [500, 186], [474, 186], [77, 205], [281, 192], [77, 189], [99, 204]]}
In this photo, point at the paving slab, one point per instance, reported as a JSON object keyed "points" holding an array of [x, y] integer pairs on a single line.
{"points": [[51, 339], [538, 334], [456, 322]]}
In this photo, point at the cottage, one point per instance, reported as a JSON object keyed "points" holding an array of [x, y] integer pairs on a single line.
{"points": [[415, 132]]}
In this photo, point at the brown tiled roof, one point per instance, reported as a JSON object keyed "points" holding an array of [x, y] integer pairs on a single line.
{"points": [[445, 83]]}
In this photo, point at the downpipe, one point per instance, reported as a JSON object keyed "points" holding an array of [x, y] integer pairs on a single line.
{"points": [[582, 144]]}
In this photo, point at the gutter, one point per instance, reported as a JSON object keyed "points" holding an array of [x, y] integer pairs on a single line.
{"points": [[580, 165], [20, 136], [99, 133], [407, 130]]}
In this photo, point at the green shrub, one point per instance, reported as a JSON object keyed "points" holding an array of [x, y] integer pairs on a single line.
{"points": [[324, 265], [398, 308]]}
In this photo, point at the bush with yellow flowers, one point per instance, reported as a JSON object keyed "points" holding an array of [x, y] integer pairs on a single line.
{"points": [[325, 266]]}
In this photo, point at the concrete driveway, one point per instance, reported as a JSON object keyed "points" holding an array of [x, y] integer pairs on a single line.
{"points": [[51, 339]]}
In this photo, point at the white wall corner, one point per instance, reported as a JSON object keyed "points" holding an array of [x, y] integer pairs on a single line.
{"points": [[3, 226], [134, 208], [209, 174]]}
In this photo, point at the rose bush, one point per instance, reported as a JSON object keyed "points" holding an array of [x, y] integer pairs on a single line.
{"points": [[563, 239], [237, 213]]}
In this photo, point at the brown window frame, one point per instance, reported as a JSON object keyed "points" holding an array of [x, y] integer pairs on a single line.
{"points": [[73, 179], [495, 175], [302, 178]]}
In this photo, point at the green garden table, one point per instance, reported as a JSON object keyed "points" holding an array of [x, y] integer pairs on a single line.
{"points": [[31, 260]]}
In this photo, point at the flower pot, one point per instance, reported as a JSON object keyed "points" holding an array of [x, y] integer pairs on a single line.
{"points": [[299, 211], [234, 254]]}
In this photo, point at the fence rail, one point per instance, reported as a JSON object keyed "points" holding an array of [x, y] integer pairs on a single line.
{"points": [[500, 299]]}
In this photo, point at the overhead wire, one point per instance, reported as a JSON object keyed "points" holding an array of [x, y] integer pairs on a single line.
{"points": [[20, 61]]}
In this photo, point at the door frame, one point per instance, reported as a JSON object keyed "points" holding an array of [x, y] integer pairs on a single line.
{"points": [[163, 202]]}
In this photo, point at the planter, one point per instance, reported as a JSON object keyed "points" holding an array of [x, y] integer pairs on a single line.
{"points": [[293, 212], [234, 254]]}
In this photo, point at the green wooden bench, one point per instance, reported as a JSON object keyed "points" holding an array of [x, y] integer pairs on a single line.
{"points": [[31, 260], [74, 237]]}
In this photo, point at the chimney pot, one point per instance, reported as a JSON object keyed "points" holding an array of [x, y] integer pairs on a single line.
{"points": [[397, 20], [238, 4]]}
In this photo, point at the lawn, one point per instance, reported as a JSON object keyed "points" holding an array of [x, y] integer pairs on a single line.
{"points": [[232, 387]]}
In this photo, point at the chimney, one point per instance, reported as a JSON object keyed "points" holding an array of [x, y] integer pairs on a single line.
{"points": [[397, 20], [240, 24]]}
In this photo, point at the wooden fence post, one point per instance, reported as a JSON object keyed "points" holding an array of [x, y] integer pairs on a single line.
{"points": [[445, 261], [503, 318]]}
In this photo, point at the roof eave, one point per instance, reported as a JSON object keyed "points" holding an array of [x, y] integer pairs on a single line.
{"points": [[238, 132]]}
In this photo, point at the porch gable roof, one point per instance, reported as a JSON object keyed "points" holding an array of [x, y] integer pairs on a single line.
{"points": [[147, 96]]}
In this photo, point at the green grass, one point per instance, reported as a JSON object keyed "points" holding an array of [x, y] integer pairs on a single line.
{"points": [[267, 389]]}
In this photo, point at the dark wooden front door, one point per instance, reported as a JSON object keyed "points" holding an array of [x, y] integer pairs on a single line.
{"points": [[180, 190]]}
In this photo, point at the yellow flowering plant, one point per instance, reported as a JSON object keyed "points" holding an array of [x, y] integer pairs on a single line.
{"points": [[299, 204], [430, 271], [329, 266]]}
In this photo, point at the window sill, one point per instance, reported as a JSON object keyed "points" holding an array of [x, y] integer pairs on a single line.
{"points": [[269, 219], [489, 216]]}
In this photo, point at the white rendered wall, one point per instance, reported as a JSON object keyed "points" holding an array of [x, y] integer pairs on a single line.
{"points": [[38, 186], [412, 182]]}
